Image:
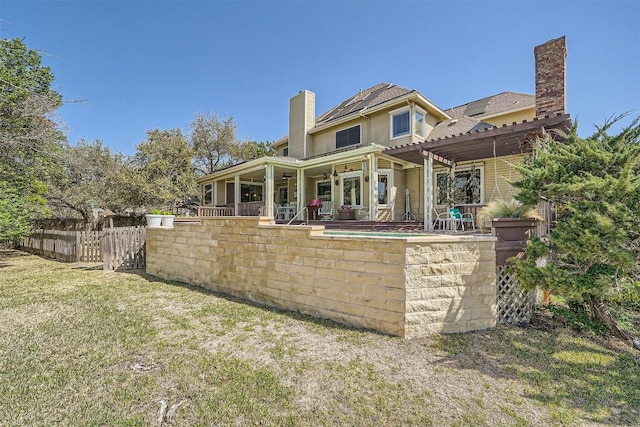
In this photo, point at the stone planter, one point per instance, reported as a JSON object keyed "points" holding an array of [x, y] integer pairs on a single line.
{"points": [[512, 235], [154, 220], [346, 214]]}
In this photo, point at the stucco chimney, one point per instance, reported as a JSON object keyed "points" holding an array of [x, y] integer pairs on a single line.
{"points": [[551, 59], [302, 116]]}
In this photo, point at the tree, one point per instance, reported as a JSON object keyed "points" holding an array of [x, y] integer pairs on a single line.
{"points": [[215, 144], [30, 135], [93, 177], [163, 169], [594, 249], [213, 140]]}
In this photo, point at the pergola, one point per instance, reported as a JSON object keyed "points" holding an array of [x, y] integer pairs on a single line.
{"points": [[493, 142]]}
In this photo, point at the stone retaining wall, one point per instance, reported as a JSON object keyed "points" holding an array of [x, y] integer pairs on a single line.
{"points": [[407, 286]]}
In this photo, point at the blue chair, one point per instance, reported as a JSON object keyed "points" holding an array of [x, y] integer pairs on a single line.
{"points": [[462, 217]]}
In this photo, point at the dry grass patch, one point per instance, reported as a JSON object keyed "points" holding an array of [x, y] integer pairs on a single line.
{"points": [[79, 346]]}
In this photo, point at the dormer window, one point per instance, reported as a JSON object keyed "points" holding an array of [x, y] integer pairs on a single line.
{"points": [[419, 118], [346, 137], [400, 124], [285, 151]]}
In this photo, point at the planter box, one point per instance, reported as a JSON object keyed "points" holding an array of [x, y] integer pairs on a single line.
{"points": [[167, 220], [346, 214], [512, 235], [153, 220]]}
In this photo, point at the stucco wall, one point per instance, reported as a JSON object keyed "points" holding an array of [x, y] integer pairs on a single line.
{"points": [[402, 286]]}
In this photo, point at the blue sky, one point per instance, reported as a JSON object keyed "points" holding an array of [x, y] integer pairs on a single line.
{"points": [[142, 65]]}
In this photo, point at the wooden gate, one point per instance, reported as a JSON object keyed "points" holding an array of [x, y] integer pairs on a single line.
{"points": [[123, 248]]}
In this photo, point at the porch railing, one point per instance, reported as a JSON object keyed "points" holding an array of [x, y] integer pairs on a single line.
{"points": [[249, 208], [211, 211]]}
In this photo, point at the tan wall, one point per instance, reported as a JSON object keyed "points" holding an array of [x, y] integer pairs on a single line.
{"points": [[508, 119], [374, 129], [402, 286]]}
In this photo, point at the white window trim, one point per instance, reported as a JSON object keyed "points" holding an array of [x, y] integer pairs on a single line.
{"points": [[479, 166], [357, 174], [389, 174], [424, 122], [396, 113]]}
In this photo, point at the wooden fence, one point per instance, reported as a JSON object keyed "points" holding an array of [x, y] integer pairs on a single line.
{"points": [[124, 248], [117, 248]]}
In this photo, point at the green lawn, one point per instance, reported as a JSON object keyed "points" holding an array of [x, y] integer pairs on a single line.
{"points": [[83, 347]]}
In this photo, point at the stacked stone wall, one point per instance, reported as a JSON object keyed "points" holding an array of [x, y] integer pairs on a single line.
{"points": [[373, 282]]}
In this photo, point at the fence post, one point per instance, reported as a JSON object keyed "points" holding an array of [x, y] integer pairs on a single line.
{"points": [[78, 248], [106, 250]]}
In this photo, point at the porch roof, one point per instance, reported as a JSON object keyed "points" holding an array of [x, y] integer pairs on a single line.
{"points": [[483, 143]]}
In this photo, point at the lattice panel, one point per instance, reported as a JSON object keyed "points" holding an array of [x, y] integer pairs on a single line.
{"points": [[515, 306]]}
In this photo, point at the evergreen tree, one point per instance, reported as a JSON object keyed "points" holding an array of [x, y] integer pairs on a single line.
{"points": [[593, 252]]}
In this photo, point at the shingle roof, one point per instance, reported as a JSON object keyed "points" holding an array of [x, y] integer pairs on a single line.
{"points": [[375, 95], [491, 105], [452, 127]]}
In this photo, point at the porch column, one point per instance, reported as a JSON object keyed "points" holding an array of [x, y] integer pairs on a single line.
{"points": [[300, 202], [269, 190], [428, 191], [236, 194], [373, 187], [215, 193]]}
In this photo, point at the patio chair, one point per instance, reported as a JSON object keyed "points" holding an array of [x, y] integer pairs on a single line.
{"points": [[278, 212], [326, 211], [462, 217], [445, 221], [363, 214]]}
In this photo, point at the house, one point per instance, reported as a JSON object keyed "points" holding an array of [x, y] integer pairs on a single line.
{"points": [[389, 153]]}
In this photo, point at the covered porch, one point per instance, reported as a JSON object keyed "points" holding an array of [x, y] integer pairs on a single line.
{"points": [[359, 180]]}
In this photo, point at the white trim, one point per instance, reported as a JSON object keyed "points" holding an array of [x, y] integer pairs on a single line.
{"points": [[417, 109], [355, 174], [394, 113], [389, 173]]}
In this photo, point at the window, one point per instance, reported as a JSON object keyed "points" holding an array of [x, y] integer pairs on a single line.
{"points": [[419, 122], [323, 190], [351, 189], [250, 193], [383, 188], [399, 123], [285, 151], [283, 195], [464, 188], [208, 195], [347, 137]]}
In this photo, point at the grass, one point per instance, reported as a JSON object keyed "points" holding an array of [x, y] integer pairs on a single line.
{"points": [[79, 346]]}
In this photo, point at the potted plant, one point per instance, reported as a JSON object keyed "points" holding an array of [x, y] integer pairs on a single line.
{"points": [[512, 222], [154, 218], [167, 219]]}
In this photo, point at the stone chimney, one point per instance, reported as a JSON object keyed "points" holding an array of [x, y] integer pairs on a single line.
{"points": [[302, 117], [551, 58]]}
